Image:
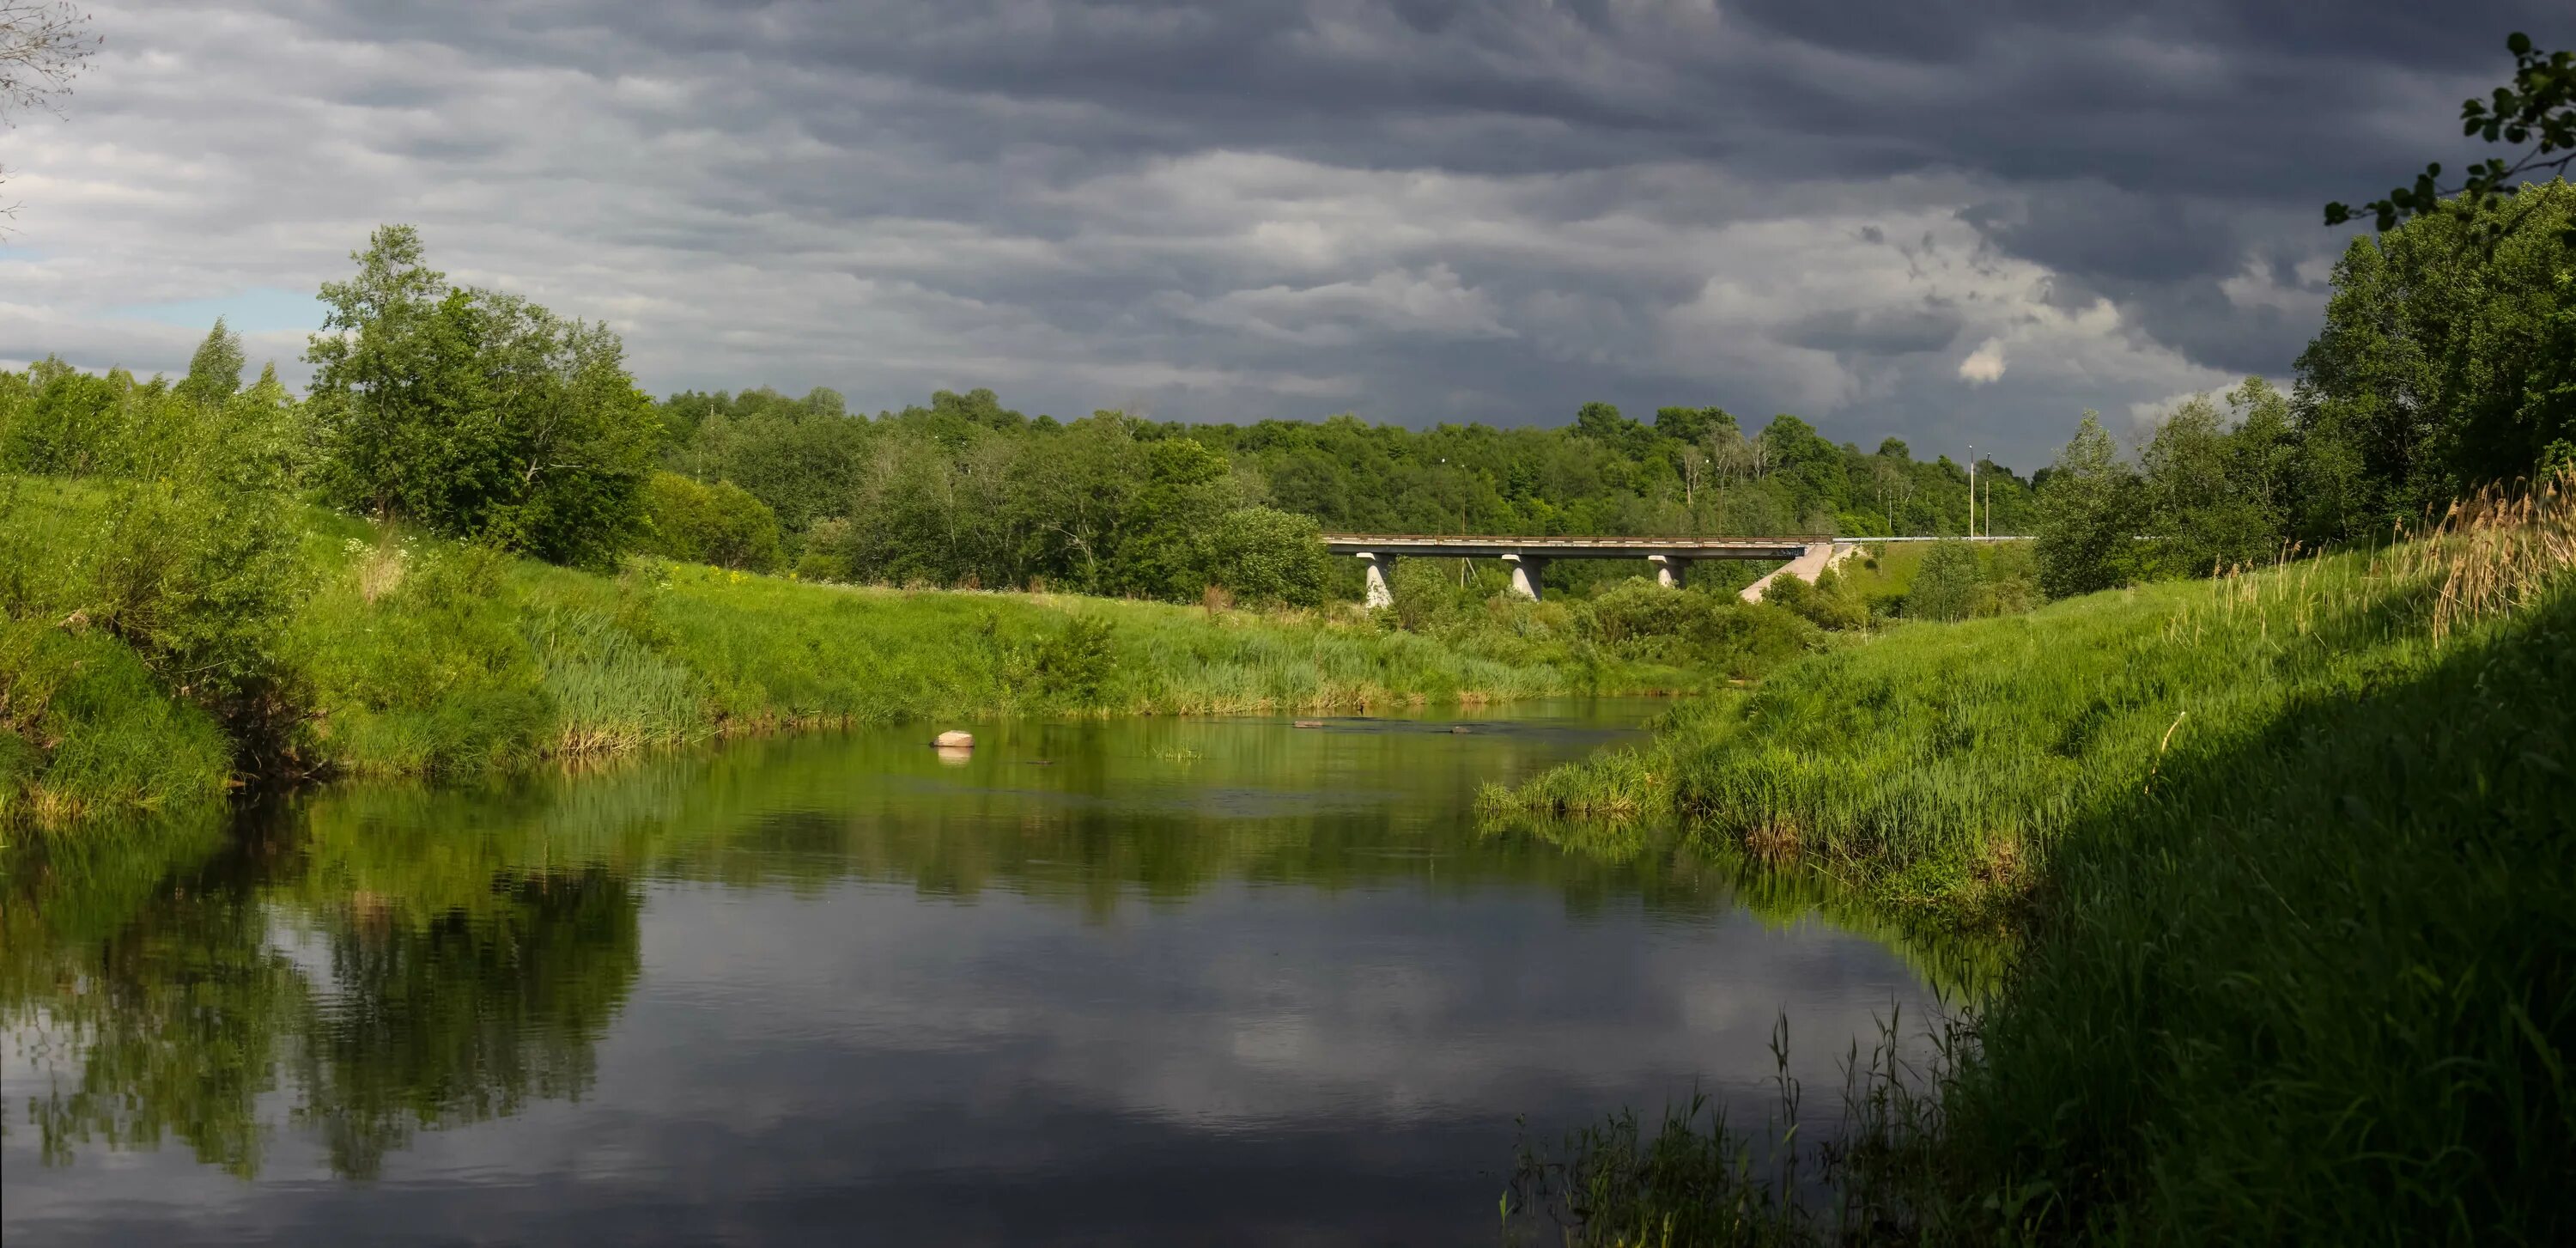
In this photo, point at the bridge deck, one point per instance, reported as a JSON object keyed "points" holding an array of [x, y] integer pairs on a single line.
{"points": [[1495, 545]]}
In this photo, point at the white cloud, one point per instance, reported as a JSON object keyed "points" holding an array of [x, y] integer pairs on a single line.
{"points": [[1985, 365]]}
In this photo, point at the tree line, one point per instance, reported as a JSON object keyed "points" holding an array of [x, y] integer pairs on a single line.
{"points": [[481, 415], [2447, 360]]}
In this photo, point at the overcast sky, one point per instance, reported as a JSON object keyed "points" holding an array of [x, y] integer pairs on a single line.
{"points": [[1950, 222]]}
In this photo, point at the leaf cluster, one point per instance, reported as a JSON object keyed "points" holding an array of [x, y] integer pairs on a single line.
{"points": [[2536, 111]]}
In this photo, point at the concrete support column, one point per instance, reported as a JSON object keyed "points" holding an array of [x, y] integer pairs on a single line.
{"points": [[1380, 594], [1525, 570], [1669, 569]]}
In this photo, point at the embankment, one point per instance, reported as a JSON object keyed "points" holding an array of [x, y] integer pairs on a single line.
{"points": [[2289, 863], [355, 651]]}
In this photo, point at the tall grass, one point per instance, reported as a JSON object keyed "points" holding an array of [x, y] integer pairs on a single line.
{"points": [[2297, 949], [396, 655], [1935, 767]]}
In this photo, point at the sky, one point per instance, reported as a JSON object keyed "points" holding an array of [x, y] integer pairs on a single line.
{"points": [[1956, 223]]}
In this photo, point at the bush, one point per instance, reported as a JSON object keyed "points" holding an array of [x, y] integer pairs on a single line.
{"points": [[1076, 664], [1428, 595], [1263, 555], [1830, 602], [1945, 586], [718, 524]]}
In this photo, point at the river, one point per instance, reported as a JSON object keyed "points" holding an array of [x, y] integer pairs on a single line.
{"points": [[1137, 981]]}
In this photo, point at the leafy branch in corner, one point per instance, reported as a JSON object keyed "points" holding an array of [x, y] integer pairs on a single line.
{"points": [[2536, 113]]}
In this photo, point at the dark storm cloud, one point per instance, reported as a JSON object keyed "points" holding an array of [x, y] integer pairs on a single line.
{"points": [[1897, 217]]}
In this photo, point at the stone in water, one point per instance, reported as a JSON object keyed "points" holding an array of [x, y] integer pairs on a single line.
{"points": [[954, 740]]}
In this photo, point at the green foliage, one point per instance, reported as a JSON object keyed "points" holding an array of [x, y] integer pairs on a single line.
{"points": [[85, 732], [1714, 632], [2217, 491], [214, 372], [965, 492], [1264, 555], [1945, 587], [1075, 665], [2287, 864], [176, 543], [475, 413], [1431, 594], [1831, 601], [417, 664], [2432, 374], [720, 524], [802, 458], [2088, 516], [1161, 549], [2538, 110]]}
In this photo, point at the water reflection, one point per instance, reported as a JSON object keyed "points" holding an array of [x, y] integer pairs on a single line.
{"points": [[1186, 979]]}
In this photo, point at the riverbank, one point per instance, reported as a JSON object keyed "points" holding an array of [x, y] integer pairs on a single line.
{"points": [[382, 654], [2287, 860]]}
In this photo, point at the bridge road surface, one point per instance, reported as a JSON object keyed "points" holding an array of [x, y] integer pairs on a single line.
{"points": [[1808, 556]]}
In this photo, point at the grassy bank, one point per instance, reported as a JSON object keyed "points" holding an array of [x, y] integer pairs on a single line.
{"points": [[2291, 862], [373, 653]]}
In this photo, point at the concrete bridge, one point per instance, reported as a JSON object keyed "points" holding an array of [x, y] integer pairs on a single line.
{"points": [[1672, 556]]}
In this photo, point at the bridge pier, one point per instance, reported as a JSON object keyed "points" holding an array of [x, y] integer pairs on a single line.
{"points": [[1669, 569], [1380, 594], [1525, 570]]}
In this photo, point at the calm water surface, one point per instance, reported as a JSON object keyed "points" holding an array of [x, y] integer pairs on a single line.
{"points": [[1149, 981]]}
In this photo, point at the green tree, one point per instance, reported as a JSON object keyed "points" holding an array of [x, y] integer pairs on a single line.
{"points": [[2216, 492], [214, 373], [475, 413], [1945, 586], [1186, 488], [2088, 512], [2419, 386]]}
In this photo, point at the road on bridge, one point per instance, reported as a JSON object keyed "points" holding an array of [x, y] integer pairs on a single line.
{"points": [[1672, 556]]}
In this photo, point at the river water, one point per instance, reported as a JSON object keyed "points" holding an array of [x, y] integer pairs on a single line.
{"points": [[1143, 981]]}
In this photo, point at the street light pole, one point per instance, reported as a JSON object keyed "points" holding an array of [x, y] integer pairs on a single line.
{"points": [[1972, 489]]}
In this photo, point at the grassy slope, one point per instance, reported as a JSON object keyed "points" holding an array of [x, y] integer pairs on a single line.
{"points": [[422, 657], [2317, 985], [1936, 766], [2294, 882]]}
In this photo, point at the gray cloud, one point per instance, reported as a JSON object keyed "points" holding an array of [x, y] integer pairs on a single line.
{"points": [[1420, 211]]}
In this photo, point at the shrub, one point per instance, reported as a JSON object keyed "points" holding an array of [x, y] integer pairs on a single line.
{"points": [[1265, 555], [718, 524], [1945, 586], [1076, 664]]}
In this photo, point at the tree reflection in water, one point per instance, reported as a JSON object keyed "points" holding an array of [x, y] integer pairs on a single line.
{"points": [[183, 1013]]}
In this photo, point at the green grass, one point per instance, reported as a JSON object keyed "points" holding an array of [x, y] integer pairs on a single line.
{"points": [[1935, 766], [2289, 861], [395, 655]]}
